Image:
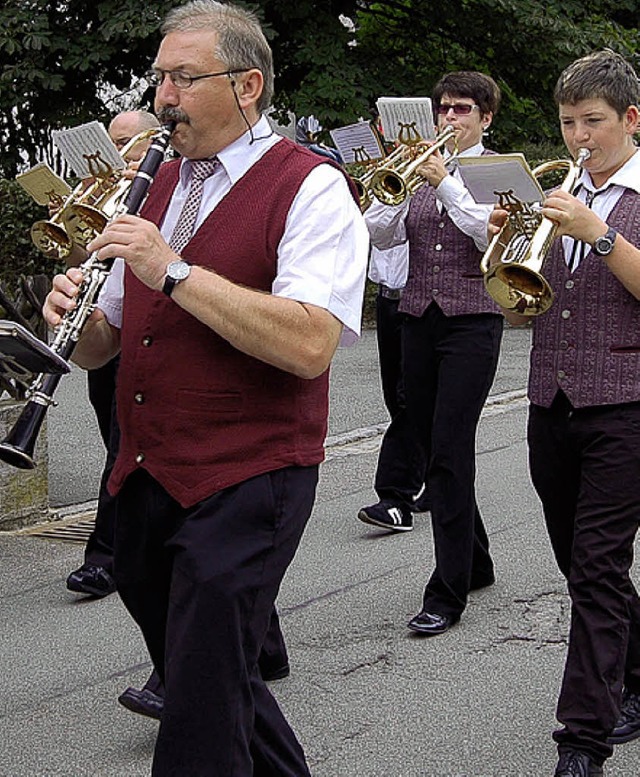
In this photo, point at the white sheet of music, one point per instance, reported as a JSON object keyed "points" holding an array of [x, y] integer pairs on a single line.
{"points": [[489, 175], [396, 112], [88, 148], [356, 142]]}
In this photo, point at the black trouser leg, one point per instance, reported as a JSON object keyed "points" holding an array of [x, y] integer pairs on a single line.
{"points": [[584, 466], [202, 583], [455, 362], [102, 385], [402, 461]]}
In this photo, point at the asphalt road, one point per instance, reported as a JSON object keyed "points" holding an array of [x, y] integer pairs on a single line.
{"points": [[366, 697]]}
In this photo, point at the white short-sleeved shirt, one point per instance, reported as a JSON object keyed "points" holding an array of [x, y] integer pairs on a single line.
{"points": [[322, 256]]}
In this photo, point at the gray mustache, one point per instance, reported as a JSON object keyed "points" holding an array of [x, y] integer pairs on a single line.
{"points": [[172, 114]]}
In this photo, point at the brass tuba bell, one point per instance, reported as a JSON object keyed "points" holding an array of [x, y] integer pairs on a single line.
{"points": [[512, 263]]}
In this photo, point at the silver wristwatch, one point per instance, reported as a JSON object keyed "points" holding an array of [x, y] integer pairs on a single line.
{"points": [[603, 246], [176, 272]]}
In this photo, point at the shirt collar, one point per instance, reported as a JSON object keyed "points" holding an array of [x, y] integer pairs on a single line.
{"points": [[628, 176], [241, 154]]}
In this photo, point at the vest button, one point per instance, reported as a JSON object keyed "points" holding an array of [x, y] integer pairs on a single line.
{"points": [[566, 314], [140, 458], [569, 284], [435, 291], [138, 398], [436, 268], [561, 374], [564, 345], [441, 225], [147, 340], [438, 246]]}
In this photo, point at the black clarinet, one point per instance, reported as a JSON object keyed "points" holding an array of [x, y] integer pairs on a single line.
{"points": [[18, 446]]}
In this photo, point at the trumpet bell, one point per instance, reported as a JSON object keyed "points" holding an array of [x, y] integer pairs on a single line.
{"points": [[388, 186], [51, 238]]}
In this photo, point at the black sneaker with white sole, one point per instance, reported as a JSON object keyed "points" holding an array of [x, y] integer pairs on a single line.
{"points": [[388, 515]]}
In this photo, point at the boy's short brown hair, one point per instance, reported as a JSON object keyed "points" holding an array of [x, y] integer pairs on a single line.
{"points": [[602, 74]]}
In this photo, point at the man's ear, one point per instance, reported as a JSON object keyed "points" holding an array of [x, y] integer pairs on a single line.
{"points": [[249, 87]]}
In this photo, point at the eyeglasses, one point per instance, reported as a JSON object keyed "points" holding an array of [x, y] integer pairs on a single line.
{"points": [[460, 109], [182, 80]]}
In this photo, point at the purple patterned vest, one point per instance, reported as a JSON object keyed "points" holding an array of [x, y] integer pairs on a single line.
{"points": [[588, 343], [444, 263]]}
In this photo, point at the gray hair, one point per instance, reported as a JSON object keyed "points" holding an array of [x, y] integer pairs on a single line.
{"points": [[602, 74], [241, 42]]}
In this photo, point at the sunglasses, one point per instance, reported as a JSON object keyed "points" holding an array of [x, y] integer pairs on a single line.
{"points": [[460, 109]]}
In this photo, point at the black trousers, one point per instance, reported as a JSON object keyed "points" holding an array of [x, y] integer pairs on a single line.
{"points": [[388, 336], [401, 469], [101, 384], [450, 363], [585, 466], [201, 583]]}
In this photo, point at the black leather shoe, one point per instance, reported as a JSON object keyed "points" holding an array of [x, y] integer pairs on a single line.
{"points": [[431, 623], [91, 580], [628, 726], [279, 673], [573, 763], [143, 701]]}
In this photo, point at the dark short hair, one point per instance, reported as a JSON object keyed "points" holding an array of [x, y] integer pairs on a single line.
{"points": [[601, 74], [469, 83]]}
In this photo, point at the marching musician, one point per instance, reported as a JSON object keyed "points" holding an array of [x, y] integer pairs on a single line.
{"points": [[239, 279], [95, 575], [584, 417], [451, 334]]}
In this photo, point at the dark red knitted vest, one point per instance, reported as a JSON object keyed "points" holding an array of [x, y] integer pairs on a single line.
{"points": [[195, 412]]}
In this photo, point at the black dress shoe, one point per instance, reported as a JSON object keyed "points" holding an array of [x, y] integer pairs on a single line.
{"points": [[143, 701], [92, 580], [628, 726], [431, 623], [278, 673], [574, 763]]}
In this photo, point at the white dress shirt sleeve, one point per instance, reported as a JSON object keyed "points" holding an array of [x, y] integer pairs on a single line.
{"points": [[322, 256]]}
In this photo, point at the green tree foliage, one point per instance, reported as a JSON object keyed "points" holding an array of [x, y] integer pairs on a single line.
{"points": [[334, 58], [523, 44]]}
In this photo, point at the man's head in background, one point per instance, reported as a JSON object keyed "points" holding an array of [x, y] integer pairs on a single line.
{"points": [[126, 125]]}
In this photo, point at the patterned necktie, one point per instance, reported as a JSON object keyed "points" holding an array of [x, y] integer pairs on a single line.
{"points": [[201, 169]]}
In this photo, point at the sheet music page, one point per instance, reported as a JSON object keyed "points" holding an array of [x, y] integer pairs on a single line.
{"points": [[357, 142], [88, 149], [43, 184], [411, 112], [487, 176]]}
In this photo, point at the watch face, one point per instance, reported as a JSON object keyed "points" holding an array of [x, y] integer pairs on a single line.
{"points": [[178, 270], [603, 246]]}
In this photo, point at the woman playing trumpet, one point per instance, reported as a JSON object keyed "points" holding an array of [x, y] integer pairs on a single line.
{"points": [[451, 334]]}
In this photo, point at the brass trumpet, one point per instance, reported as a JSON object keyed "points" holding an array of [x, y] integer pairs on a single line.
{"points": [[512, 263], [86, 211], [87, 217], [398, 178], [50, 235]]}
